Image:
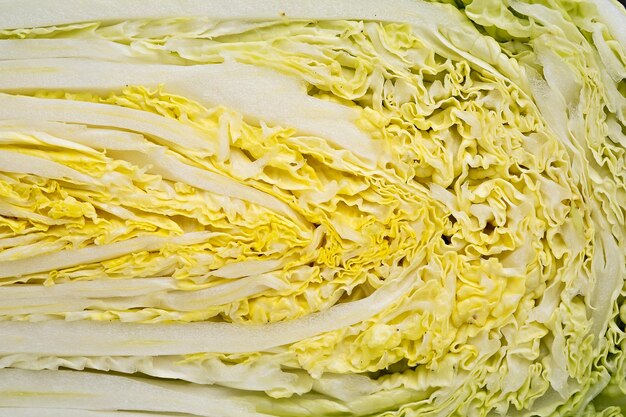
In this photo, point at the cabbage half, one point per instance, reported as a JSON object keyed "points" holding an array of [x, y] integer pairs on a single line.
{"points": [[326, 208]]}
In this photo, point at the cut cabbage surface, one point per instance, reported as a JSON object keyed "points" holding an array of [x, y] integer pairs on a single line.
{"points": [[312, 208]]}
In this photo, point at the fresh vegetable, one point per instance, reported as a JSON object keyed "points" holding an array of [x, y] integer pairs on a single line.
{"points": [[328, 208]]}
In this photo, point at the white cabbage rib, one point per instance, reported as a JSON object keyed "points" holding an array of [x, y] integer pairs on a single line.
{"points": [[245, 88], [19, 163], [73, 412], [66, 48], [69, 389], [128, 294], [101, 338], [76, 11], [265, 375], [165, 130], [68, 258], [90, 289]]}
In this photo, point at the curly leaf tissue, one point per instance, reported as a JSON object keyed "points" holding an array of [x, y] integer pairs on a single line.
{"points": [[312, 208]]}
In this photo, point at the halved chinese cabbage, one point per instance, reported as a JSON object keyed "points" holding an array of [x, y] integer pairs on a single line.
{"points": [[323, 208]]}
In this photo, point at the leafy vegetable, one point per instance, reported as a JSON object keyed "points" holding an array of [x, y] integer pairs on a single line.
{"points": [[355, 208]]}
